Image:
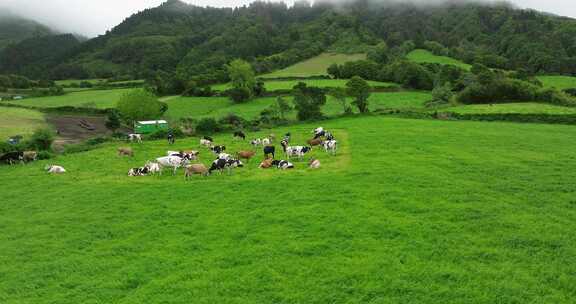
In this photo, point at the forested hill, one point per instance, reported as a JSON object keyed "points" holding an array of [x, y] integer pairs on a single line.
{"points": [[187, 41], [14, 29]]}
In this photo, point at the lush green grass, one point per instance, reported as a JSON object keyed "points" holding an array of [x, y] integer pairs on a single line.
{"points": [[15, 121], [559, 82], [410, 211], [198, 107], [315, 66], [425, 56], [322, 83], [100, 99], [68, 82], [521, 108]]}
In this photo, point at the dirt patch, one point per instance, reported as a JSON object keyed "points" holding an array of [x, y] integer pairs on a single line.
{"points": [[76, 128]]}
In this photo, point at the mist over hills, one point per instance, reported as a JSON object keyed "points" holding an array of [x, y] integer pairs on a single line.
{"points": [[14, 28]]}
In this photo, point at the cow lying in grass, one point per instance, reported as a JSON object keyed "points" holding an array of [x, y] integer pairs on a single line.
{"points": [[314, 164], [53, 169], [283, 164], [265, 164]]}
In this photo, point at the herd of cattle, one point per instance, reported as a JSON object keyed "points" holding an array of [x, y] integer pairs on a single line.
{"points": [[223, 161], [227, 162]]}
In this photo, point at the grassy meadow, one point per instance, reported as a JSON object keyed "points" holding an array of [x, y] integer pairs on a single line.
{"points": [[512, 108], [425, 56], [199, 107], [315, 66], [15, 121], [100, 99], [409, 211], [274, 85], [559, 82]]}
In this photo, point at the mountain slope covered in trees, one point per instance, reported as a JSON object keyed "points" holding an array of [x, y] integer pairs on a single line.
{"points": [[14, 29]]}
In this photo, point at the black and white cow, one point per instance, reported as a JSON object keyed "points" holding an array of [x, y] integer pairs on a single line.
{"points": [[256, 142], [319, 132], [135, 138], [221, 164], [329, 136], [239, 135], [218, 149], [330, 146], [188, 155], [172, 162], [142, 171], [283, 164], [269, 150], [12, 157], [208, 138], [296, 151]]}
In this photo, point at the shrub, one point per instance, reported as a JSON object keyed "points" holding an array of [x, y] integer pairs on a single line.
{"points": [[239, 95], [308, 101], [140, 105], [96, 141], [163, 134], [42, 139], [232, 121], [42, 155], [207, 126], [359, 89]]}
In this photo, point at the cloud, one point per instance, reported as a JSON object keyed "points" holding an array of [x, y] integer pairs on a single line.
{"points": [[94, 17]]}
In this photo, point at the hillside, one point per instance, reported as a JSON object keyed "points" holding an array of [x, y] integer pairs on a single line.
{"points": [[14, 29], [195, 42]]}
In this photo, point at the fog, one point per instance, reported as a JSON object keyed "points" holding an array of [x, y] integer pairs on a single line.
{"points": [[94, 17]]}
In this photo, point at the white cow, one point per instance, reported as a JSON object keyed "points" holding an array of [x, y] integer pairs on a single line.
{"points": [[53, 169], [135, 137], [205, 142], [172, 162], [330, 146], [266, 141], [256, 142], [154, 168]]}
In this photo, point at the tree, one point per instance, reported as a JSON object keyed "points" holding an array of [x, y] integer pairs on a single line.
{"points": [[42, 139], [308, 101], [283, 107], [242, 78], [442, 94], [334, 71], [139, 105], [340, 95], [380, 53], [113, 121], [359, 89]]}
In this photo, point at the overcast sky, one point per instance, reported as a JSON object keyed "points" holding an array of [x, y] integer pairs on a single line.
{"points": [[94, 17]]}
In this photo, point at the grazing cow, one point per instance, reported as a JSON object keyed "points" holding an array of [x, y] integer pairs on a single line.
{"points": [[319, 132], [142, 171], [266, 141], [269, 150], [331, 146], [296, 151], [171, 138], [218, 149], [221, 164], [195, 169], [135, 137], [28, 156], [247, 155], [314, 164], [283, 164], [205, 142], [256, 142], [239, 135], [125, 152], [265, 164], [314, 142], [172, 162], [53, 169], [12, 157]]}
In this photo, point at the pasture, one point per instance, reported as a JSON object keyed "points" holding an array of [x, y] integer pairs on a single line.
{"points": [[15, 121], [512, 108], [101, 99], [409, 211], [315, 66], [425, 56], [274, 85], [199, 107], [558, 82]]}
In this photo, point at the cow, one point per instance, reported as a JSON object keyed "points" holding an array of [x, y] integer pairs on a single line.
{"points": [[269, 150], [283, 164], [189, 155], [53, 169], [172, 162], [247, 155], [221, 164], [256, 142], [224, 156], [205, 142], [135, 137], [314, 142], [142, 171], [125, 152], [331, 146], [171, 138], [296, 151], [218, 149], [153, 167], [265, 164], [314, 164], [239, 135], [287, 137], [266, 141], [329, 136], [12, 157], [319, 132], [195, 169], [28, 156], [208, 138]]}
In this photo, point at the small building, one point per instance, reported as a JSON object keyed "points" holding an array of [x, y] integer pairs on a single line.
{"points": [[151, 126]]}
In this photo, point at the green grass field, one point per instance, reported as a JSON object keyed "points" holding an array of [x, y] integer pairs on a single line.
{"points": [[314, 66], [505, 108], [68, 82], [15, 121], [409, 211], [559, 82], [424, 56], [198, 107], [322, 83], [100, 99]]}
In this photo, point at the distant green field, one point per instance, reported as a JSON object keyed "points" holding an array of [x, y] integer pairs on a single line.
{"points": [[424, 56], [408, 211], [559, 82], [15, 121], [197, 107], [519, 108], [71, 81], [322, 83], [315, 66], [100, 99]]}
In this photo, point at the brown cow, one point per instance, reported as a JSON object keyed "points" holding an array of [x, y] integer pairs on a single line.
{"points": [[314, 142], [29, 156], [265, 164], [125, 152], [195, 169], [247, 155]]}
